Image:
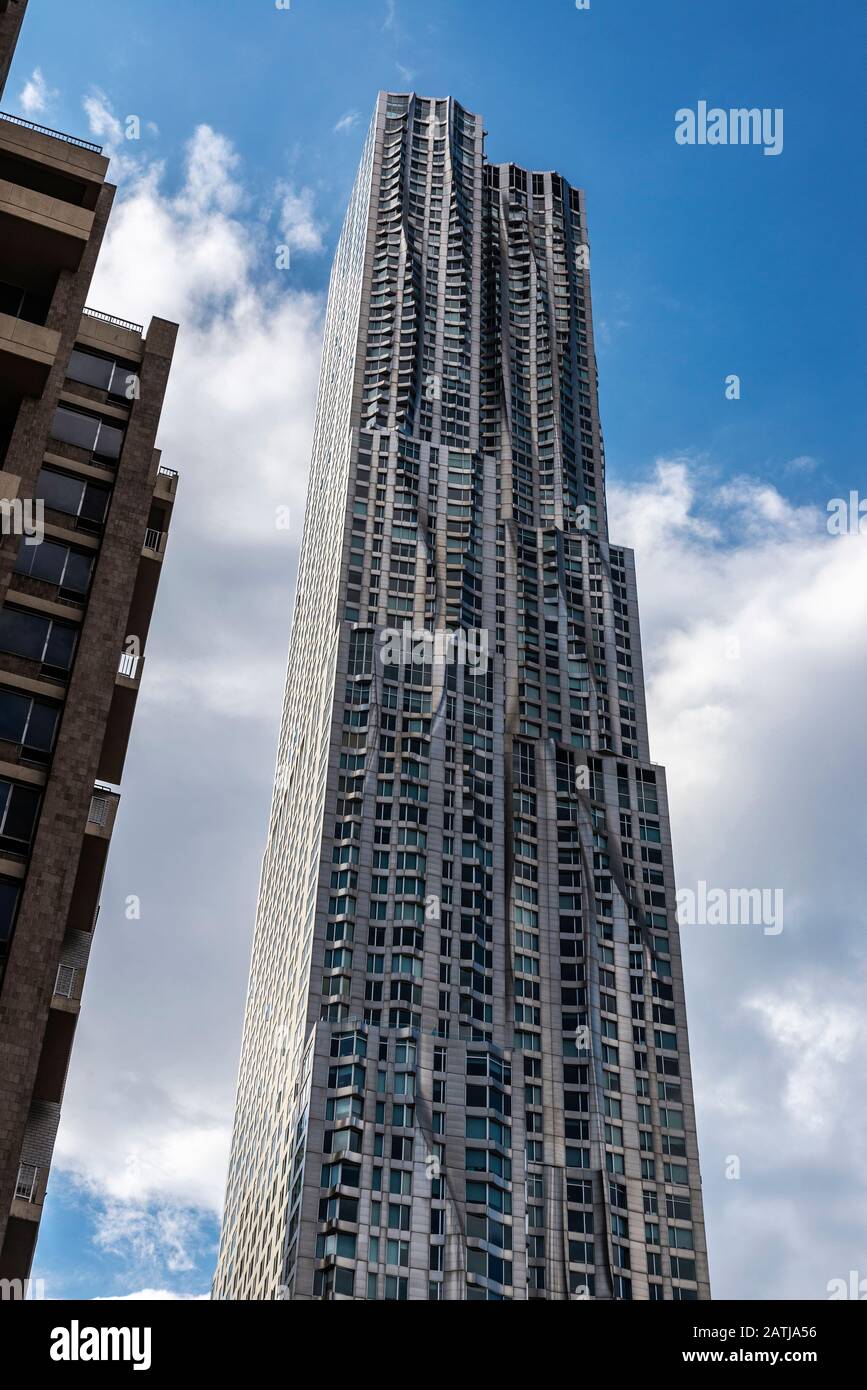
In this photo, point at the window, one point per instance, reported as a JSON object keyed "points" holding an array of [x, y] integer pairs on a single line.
{"points": [[56, 564], [8, 907], [489, 1266], [37, 637], [336, 1244], [679, 1238], [78, 497], [102, 372], [19, 806], [338, 1209], [88, 432], [346, 1173], [30, 723], [328, 1282], [397, 1252], [682, 1268]]}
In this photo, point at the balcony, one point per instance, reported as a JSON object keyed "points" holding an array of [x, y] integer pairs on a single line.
{"points": [[166, 484], [154, 543], [65, 982], [120, 716], [102, 812], [27, 1183], [69, 980], [129, 673], [41, 230], [46, 130], [36, 1154], [27, 354]]}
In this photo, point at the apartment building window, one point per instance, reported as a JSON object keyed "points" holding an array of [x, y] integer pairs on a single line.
{"points": [[32, 724], [58, 564], [90, 432], [38, 638], [81, 498], [9, 894], [19, 807], [105, 373], [20, 303]]}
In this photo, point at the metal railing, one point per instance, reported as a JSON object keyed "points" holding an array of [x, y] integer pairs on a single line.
{"points": [[65, 982], [99, 807], [55, 134], [154, 540], [25, 1184], [129, 665], [167, 472], [115, 322]]}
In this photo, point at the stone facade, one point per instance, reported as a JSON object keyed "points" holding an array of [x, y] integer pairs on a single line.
{"points": [[78, 422]]}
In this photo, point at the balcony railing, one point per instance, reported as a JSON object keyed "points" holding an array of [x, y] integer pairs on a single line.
{"points": [[25, 1186], [100, 807], [167, 472], [65, 982], [55, 134], [110, 318], [129, 665], [154, 540]]}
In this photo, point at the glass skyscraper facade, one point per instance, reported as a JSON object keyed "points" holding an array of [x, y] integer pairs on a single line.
{"points": [[465, 1067]]}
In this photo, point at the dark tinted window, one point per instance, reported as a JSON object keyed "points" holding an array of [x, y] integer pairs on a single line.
{"points": [[8, 904], [74, 428], [14, 713], [87, 432], [56, 564], [93, 370], [19, 806], [77, 496], [31, 723], [23, 633], [37, 637], [41, 727], [60, 648]]}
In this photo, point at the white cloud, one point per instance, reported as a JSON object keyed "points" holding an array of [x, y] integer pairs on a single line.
{"points": [[146, 1123], [166, 1152], [818, 1036], [298, 223], [243, 382], [347, 122], [153, 1296], [170, 1235], [103, 123], [36, 96]]}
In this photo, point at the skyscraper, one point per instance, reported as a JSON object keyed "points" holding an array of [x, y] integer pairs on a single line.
{"points": [[465, 1067], [85, 505]]}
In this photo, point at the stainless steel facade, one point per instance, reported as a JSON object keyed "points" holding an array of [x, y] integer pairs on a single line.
{"points": [[465, 1067]]}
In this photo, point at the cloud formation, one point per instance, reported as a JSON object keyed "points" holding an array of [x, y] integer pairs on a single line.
{"points": [[36, 96], [147, 1118], [348, 121]]}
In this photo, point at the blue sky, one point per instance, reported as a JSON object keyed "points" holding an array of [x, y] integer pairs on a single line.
{"points": [[705, 262]]}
